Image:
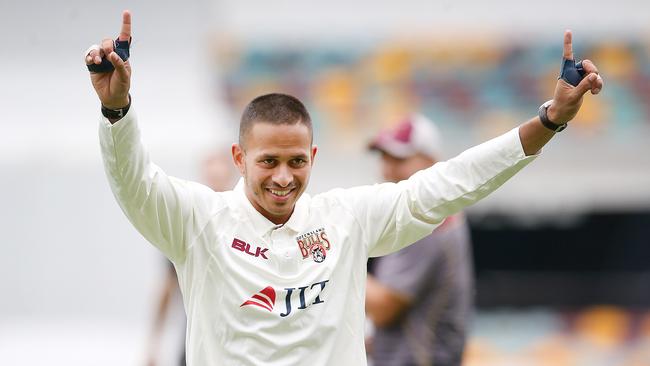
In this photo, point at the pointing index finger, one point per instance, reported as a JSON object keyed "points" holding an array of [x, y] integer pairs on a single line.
{"points": [[125, 33], [568, 47]]}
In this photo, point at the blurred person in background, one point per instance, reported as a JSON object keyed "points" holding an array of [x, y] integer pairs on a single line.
{"points": [[235, 252], [218, 173], [419, 298]]}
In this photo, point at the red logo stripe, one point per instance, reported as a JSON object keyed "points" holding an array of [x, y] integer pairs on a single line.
{"points": [[264, 299], [270, 292], [251, 302]]}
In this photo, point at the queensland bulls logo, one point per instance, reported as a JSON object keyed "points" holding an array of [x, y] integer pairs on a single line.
{"points": [[314, 244]]}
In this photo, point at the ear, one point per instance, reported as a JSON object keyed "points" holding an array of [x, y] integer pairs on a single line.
{"points": [[314, 149], [238, 157]]}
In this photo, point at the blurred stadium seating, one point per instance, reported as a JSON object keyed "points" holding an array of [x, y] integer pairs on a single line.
{"points": [[481, 86], [594, 336]]}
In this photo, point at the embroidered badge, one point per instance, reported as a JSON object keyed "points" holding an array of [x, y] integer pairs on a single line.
{"points": [[318, 252], [314, 244]]}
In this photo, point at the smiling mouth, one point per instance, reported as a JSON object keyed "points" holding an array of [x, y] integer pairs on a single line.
{"points": [[281, 193]]}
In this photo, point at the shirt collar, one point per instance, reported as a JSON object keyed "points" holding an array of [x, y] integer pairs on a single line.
{"points": [[261, 224]]}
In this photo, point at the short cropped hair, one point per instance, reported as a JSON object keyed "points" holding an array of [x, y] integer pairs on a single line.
{"points": [[274, 108]]}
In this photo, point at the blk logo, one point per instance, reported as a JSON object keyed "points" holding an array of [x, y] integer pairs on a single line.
{"points": [[265, 299], [243, 246]]}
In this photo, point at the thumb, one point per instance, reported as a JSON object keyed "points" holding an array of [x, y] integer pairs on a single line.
{"points": [[119, 64], [586, 84]]}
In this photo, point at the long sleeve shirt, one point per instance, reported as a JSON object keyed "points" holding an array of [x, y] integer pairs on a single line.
{"points": [[256, 293]]}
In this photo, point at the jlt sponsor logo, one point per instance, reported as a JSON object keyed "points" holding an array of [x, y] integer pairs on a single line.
{"points": [[265, 298], [246, 248], [314, 244], [320, 286]]}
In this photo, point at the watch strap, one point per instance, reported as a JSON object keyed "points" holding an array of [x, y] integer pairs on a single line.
{"points": [[543, 116], [116, 113]]}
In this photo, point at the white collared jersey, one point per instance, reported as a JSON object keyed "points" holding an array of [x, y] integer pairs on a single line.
{"points": [[256, 293]]}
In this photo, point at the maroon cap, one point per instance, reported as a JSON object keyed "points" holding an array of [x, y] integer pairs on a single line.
{"points": [[415, 134]]}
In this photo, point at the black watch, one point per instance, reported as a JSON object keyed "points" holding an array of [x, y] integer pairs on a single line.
{"points": [[547, 122], [116, 113]]}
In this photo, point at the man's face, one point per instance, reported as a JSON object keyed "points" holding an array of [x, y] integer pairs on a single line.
{"points": [[275, 161], [396, 169]]}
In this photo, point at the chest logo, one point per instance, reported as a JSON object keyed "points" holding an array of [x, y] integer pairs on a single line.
{"points": [[306, 295], [264, 299], [314, 244], [243, 246]]}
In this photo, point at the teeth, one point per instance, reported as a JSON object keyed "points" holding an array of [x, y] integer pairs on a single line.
{"points": [[280, 193]]}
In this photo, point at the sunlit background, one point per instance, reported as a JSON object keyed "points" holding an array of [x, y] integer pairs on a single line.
{"points": [[562, 252]]}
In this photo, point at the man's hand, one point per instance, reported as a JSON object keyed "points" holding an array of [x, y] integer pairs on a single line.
{"points": [[112, 87], [566, 103], [567, 98]]}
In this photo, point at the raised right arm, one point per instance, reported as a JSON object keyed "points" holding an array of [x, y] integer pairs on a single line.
{"points": [[167, 211]]}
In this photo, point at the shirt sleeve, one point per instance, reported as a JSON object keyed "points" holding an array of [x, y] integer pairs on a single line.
{"points": [[394, 215], [167, 211]]}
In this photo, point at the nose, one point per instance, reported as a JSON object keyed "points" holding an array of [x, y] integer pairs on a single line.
{"points": [[283, 176]]}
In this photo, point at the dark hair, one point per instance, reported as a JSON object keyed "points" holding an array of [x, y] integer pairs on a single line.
{"points": [[274, 108]]}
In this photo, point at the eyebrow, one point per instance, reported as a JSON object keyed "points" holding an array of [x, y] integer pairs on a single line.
{"points": [[272, 156]]}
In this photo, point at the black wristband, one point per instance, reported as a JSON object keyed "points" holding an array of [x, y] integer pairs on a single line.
{"points": [[116, 113], [547, 122]]}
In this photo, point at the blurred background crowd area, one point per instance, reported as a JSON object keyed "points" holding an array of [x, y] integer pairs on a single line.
{"points": [[594, 336], [472, 86]]}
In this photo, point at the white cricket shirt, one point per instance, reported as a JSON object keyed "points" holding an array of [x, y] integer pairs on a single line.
{"points": [[257, 293]]}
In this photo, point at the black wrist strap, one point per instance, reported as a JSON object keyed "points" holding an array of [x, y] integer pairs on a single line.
{"points": [[547, 122], [116, 113]]}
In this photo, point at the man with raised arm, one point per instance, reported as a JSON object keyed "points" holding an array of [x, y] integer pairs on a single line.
{"points": [[272, 276]]}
